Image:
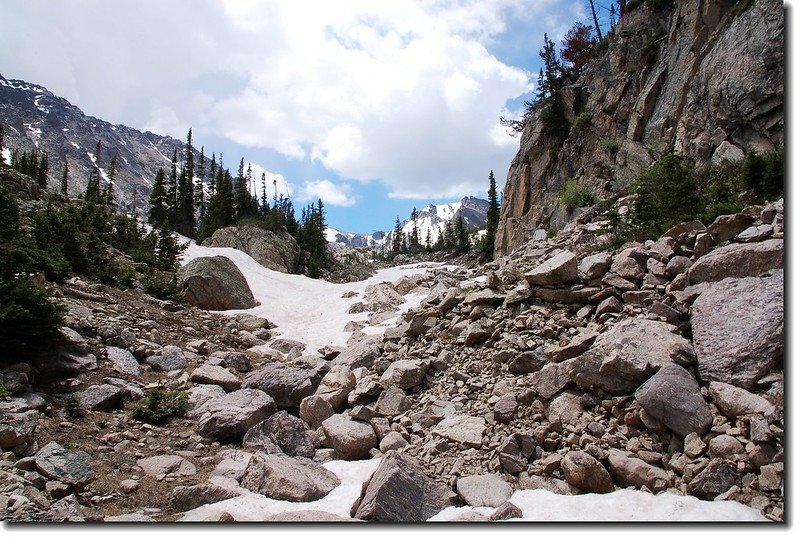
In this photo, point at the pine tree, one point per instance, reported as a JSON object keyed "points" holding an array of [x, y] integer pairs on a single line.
{"points": [[492, 219], [548, 92], [41, 172], [172, 193], [185, 222], [414, 242], [398, 238], [264, 199], [111, 174], [428, 241], [200, 190], [461, 236], [159, 212], [65, 178]]}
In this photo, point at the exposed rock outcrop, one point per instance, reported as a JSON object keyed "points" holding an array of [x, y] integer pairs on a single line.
{"points": [[702, 76], [275, 250]]}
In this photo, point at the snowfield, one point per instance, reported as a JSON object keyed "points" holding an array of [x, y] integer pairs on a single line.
{"points": [[304, 309], [314, 312]]}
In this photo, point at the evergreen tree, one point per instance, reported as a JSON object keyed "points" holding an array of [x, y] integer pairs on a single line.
{"points": [[461, 236], [41, 172], [185, 222], [200, 190], [312, 238], [65, 178], [212, 176], [428, 241], [414, 242], [398, 238], [221, 209], [492, 219], [172, 193], [449, 241], [1, 143], [264, 199], [548, 92], [111, 174], [158, 216]]}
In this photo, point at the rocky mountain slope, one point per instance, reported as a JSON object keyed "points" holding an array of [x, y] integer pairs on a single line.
{"points": [[35, 118], [506, 391], [704, 76], [432, 218]]}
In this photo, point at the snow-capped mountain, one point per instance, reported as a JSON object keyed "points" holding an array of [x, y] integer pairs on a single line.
{"points": [[431, 219], [34, 118]]}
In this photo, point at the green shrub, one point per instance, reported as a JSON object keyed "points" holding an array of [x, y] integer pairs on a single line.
{"points": [[764, 174], [582, 122], [611, 146], [574, 195], [163, 285], [4, 392], [29, 319], [664, 195], [71, 405], [160, 406]]}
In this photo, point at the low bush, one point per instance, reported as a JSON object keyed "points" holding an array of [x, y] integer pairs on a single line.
{"points": [[574, 195], [160, 406]]}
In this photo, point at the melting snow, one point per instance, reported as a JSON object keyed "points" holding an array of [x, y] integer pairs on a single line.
{"points": [[304, 309], [76, 146], [6, 155], [39, 105], [35, 132]]}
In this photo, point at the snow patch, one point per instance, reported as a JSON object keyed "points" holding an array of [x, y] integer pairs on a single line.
{"points": [[304, 309], [159, 152], [76, 146], [255, 507], [618, 506], [36, 133], [6, 155], [39, 105]]}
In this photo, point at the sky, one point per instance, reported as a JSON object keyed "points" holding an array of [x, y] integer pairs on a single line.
{"points": [[374, 107]]}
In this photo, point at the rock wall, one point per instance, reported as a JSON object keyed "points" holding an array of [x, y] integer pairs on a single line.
{"points": [[697, 74], [275, 250]]}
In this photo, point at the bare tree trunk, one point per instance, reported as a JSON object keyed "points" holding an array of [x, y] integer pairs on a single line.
{"points": [[596, 20]]}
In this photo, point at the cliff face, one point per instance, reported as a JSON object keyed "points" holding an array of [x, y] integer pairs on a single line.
{"points": [[704, 75]]}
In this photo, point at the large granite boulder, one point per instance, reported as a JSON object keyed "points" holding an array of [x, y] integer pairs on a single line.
{"points": [[583, 471], [215, 283], [349, 438], [672, 397], [738, 329], [287, 383], [738, 261], [54, 461], [560, 268], [281, 433], [228, 417], [274, 250], [72, 357], [400, 492], [622, 358], [288, 478]]}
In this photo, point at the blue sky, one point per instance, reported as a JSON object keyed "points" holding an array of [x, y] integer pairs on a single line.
{"points": [[376, 107]]}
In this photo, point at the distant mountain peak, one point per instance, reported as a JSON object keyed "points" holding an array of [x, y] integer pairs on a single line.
{"points": [[432, 218]]}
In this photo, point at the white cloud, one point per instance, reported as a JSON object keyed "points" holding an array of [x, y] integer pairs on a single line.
{"points": [[330, 193], [405, 92], [276, 183]]}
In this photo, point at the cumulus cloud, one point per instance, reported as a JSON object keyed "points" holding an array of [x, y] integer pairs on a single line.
{"points": [[338, 194], [406, 92]]}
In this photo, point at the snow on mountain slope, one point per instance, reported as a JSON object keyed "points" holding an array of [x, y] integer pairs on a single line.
{"points": [[432, 219]]}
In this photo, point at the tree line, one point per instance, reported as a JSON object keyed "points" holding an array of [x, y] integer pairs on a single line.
{"points": [[197, 199]]}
